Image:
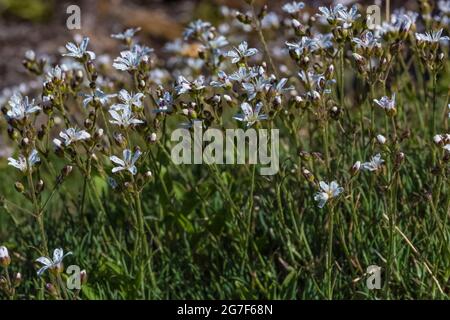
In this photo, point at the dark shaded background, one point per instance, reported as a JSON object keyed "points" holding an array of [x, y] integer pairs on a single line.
{"points": [[41, 25]]}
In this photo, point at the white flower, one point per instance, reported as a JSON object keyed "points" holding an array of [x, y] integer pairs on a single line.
{"points": [[444, 6], [124, 117], [55, 73], [271, 20], [21, 107], [71, 135], [75, 51], [222, 80], [22, 163], [279, 88], [374, 164], [128, 100], [217, 43], [327, 192], [400, 22], [386, 103], [127, 34], [98, 96], [260, 85], [323, 41], [293, 7], [184, 86], [367, 41], [249, 115], [331, 14], [130, 59], [305, 45], [54, 264], [195, 28], [347, 18], [165, 103], [128, 162], [241, 52], [431, 37], [243, 74]]}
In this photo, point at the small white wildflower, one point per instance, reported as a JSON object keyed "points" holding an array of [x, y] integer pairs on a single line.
{"points": [[242, 74], [98, 96], [444, 6], [55, 73], [241, 52], [249, 115], [368, 41], [130, 59], [293, 7], [22, 163], [386, 103], [127, 34], [124, 117], [75, 51], [165, 103], [374, 164], [347, 18], [327, 192], [128, 162], [431, 37], [21, 107], [259, 85], [447, 147], [54, 264], [184, 86], [128, 100], [331, 14], [195, 28], [223, 81], [71, 135]]}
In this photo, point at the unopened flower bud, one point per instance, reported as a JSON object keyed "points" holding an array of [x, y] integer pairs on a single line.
{"points": [[51, 290], [381, 139], [25, 142], [243, 18], [399, 158], [305, 155], [227, 98], [17, 279], [354, 170], [19, 187], [66, 171], [30, 55], [308, 175], [83, 277], [40, 186], [5, 259], [88, 123], [153, 137]]}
